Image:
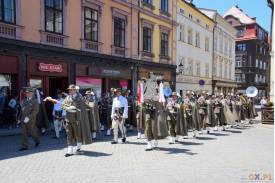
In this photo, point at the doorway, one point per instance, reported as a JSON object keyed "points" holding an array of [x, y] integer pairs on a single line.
{"points": [[56, 84]]}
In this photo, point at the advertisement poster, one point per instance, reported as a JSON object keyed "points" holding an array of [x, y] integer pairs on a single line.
{"points": [[86, 83]]}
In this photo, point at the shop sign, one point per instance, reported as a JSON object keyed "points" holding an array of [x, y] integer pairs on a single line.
{"points": [[101, 71], [50, 67]]}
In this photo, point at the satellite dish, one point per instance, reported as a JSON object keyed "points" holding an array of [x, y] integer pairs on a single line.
{"points": [[167, 91]]}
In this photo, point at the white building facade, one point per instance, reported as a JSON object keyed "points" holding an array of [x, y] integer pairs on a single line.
{"points": [[224, 54], [194, 49]]}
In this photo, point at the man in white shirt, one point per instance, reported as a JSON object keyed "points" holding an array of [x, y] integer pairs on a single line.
{"points": [[118, 116], [263, 102], [58, 115]]}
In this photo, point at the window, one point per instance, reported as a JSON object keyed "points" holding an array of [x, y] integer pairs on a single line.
{"points": [[220, 67], [189, 69], [238, 63], [261, 64], [164, 5], [206, 43], [197, 39], [230, 70], [190, 16], [54, 16], [225, 70], [240, 32], [181, 33], [91, 24], [241, 47], [164, 45], [190, 36], [256, 63], [238, 78], [230, 49], [226, 47], [215, 42], [215, 66], [221, 42], [206, 70], [7, 11], [147, 39], [264, 65], [148, 1], [256, 78], [198, 67], [263, 79], [119, 32]]}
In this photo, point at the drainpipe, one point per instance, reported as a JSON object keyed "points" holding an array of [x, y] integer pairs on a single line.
{"points": [[213, 50], [138, 29]]}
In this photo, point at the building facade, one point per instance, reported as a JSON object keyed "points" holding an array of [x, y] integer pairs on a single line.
{"points": [[92, 43], [157, 30], [252, 52], [194, 49], [223, 54], [271, 81]]}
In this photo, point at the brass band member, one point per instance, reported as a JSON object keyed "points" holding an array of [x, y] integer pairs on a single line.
{"points": [[73, 117], [93, 112], [118, 116], [173, 108], [203, 112]]}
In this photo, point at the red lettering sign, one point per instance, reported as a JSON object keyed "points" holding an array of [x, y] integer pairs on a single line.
{"points": [[50, 67]]}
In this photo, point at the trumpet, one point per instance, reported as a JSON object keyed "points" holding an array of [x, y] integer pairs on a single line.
{"points": [[64, 106]]}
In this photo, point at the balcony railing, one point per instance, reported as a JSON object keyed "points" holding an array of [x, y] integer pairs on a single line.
{"points": [[118, 51], [92, 46], [53, 39], [10, 31]]}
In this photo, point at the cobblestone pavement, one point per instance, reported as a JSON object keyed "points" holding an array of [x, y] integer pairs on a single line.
{"points": [[236, 155]]}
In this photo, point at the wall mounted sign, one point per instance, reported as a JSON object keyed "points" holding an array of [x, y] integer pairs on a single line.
{"points": [[50, 67]]}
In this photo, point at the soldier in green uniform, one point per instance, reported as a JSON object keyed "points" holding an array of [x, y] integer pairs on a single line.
{"points": [[30, 108], [173, 108], [73, 117]]}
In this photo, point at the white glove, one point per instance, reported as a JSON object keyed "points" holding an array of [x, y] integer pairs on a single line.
{"points": [[72, 108], [26, 120]]}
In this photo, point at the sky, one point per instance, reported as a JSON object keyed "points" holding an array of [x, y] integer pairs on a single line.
{"points": [[253, 8]]}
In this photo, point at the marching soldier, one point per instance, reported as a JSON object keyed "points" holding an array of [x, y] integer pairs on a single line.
{"points": [[73, 118], [217, 109], [153, 101], [93, 112], [173, 108], [118, 115], [30, 108], [203, 112]]}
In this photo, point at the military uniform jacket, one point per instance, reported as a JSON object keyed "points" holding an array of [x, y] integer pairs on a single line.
{"points": [[30, 109], [80, 116]]}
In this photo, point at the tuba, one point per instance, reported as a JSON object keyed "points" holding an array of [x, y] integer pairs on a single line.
{"points": [[251, 91]]}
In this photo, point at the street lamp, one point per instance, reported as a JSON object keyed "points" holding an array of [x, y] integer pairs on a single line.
{"points": [[180, 69]]}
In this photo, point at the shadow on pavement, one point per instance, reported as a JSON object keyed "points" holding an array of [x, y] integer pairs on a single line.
{"points": [[218, 134], [46, 144], [92, 153], [205, 138], [233, 131], [136, 143], [189, 143], [175, 150]]}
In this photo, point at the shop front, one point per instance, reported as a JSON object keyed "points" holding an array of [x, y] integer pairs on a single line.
{"points": [[165, 75], [102, 78], [9, 69], [48, 75]]}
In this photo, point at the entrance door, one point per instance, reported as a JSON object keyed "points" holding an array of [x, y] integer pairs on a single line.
{"points": [[56, 84]]}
